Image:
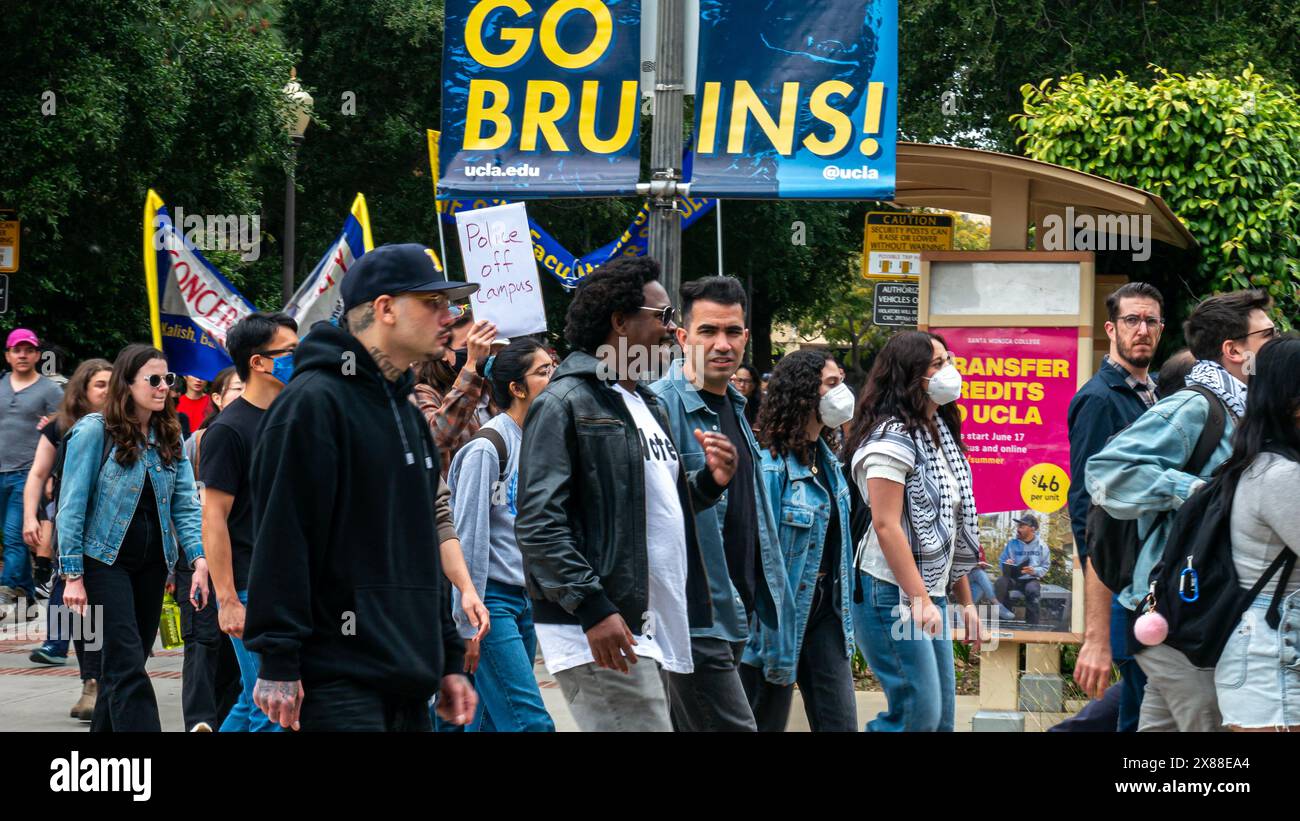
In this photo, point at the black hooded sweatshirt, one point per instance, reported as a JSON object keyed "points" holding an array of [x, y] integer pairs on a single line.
{"points": [[345, 576]]}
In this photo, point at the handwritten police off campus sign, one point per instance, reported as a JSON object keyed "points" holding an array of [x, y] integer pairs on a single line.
{"points": [[541, 98], [797, 100]]}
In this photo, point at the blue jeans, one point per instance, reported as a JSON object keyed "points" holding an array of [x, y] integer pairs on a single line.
{"points": [[509, 700], [18, 563], [981, 587], [915, 670], [1133, 681], [245, 716]]}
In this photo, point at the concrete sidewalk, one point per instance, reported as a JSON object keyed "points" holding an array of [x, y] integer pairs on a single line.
{"points": [[36, 697]]}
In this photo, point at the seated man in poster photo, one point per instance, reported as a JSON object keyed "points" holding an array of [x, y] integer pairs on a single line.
{"points": [[1024, 562]]}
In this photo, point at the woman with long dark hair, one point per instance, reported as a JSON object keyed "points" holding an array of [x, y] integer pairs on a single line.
{"points": [[746, 381], [1257, 679], [127, 500], [906, 457], [85, 393], [805, 402], [483, 481]]}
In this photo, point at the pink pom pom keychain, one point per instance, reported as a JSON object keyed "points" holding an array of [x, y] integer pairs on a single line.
{"points": [[1151, 628]]}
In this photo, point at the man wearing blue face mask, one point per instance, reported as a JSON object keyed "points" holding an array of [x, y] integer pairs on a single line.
{"points": [[262, 347]]}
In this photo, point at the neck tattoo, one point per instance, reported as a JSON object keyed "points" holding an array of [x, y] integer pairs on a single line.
{"points": [[385, 363]]}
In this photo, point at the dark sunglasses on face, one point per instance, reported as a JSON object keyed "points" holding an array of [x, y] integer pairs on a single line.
{"points": [[158, 379], [667, 314]]}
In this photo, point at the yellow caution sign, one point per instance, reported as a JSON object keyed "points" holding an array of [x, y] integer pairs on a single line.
{"points": [[893, 242]]}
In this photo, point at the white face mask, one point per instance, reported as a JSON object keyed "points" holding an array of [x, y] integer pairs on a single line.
{"points": [[836, 406], [945, 386]]}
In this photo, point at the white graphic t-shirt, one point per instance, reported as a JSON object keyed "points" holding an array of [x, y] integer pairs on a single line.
{"points": [[667, 637]]}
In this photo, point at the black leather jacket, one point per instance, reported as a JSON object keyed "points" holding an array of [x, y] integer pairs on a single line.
{"points": [[581, 523]]}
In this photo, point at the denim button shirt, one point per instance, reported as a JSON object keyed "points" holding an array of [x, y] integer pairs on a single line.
{"points": [[802, 515], [117, 492], [687, 412], [1139, 475]]}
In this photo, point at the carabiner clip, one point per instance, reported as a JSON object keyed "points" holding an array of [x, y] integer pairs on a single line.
{"points": [[1188, 579]]}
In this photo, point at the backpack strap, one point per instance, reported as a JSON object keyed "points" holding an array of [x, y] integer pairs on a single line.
{"points": [[498, 442], [1215, 424]]}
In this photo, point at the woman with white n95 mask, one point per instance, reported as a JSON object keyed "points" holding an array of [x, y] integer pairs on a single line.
{"points": [[904, 452]]}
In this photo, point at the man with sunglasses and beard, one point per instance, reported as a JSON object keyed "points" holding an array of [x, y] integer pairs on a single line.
{"points": [[606, 521], [344, 594]]}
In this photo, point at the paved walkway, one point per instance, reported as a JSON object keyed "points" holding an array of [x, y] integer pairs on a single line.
{"points": [[36, 697]]}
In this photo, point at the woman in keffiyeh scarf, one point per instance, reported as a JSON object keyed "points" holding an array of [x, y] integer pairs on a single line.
{"points": [[906, 458]]}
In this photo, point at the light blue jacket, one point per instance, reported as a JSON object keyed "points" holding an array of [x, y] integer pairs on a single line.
{"points": [[1140, 473], [1040, 558], [117, 492], [687, 413], [802, 511]]}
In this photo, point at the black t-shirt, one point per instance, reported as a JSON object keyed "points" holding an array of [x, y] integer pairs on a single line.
{"points": [[142, 543], [225, 455], [829, 571], [740, 525]]}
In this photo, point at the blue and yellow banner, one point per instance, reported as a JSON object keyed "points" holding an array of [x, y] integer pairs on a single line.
{"points": [[569, 268], [319, 298], [541, 98], [797, 100], [191, 305]]}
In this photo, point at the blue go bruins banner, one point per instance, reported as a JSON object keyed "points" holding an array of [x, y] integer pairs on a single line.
{"points": [[541, 98], [797, 100]]}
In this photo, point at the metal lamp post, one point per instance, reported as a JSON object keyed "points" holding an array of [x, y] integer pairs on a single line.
{"points": [[297, 131]]}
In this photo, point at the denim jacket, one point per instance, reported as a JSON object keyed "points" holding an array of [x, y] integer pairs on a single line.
{"points": [[1140, 474], [687, 413], [802, 511], [117, 492]]}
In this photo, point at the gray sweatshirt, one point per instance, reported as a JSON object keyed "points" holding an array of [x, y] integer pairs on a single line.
{"points": [[1264, 519], [485, 514]]}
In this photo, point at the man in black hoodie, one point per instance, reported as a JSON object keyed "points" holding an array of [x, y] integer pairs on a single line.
{"points": [[344, 588]]}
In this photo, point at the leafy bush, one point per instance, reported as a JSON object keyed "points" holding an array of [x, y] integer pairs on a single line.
{"points": [[1222, 152]]}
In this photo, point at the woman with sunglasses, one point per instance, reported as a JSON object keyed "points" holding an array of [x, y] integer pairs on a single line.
{"points": [[128, 498], [452, 393], [483, 482]]}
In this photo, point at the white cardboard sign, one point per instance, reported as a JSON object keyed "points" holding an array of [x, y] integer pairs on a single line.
{"points": [[497, 248]]}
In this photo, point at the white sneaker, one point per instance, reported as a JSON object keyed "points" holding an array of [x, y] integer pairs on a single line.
{"points": [[201, 727]]}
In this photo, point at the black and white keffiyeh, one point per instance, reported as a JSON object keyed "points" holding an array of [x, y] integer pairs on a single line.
{"points": [[928, 495], [1224, 385]]}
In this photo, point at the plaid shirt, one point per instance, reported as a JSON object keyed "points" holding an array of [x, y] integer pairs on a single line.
{"points": [[453, 419], [1146, 391]]}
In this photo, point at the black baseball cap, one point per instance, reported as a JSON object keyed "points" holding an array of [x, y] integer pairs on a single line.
{"points": [[399, 269], [1028, 519]]}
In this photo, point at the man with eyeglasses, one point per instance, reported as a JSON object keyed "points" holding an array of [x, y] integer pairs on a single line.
{"points": [[1141, 474], [1121, 391], [344, 592], [262, 347], [607, 507], [25, 397]]}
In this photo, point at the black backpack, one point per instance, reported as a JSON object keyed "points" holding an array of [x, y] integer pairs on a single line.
{"points": [[1113, 544], [859, 524], [1195, 586]]}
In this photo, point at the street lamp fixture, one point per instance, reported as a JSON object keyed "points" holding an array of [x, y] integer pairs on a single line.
{"points": [[297, 128]]}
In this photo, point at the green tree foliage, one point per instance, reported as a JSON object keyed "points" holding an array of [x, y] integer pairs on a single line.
{"points": [[143, 96], [1222, 151], [983, 51]]}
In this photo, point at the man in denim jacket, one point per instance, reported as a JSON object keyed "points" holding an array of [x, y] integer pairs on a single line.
{"points": [[1141, 474], [738, 536]]}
